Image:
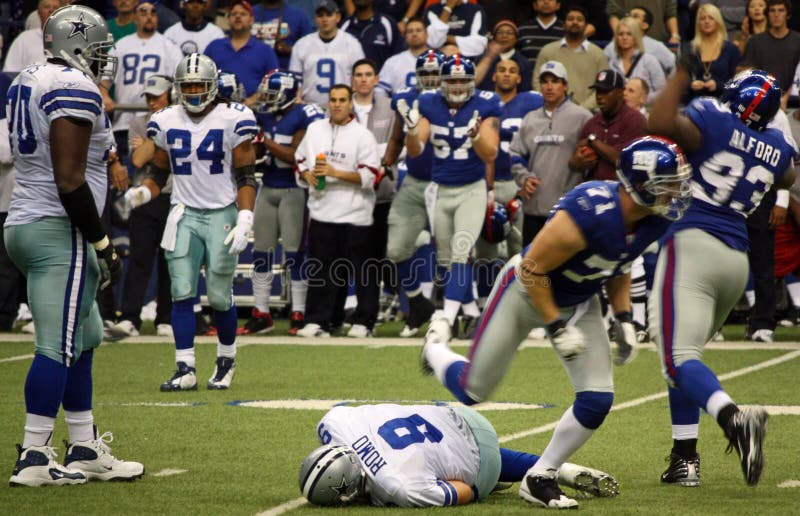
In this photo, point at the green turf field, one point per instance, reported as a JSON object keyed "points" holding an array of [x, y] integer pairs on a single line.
{"points": [[205, 453]]}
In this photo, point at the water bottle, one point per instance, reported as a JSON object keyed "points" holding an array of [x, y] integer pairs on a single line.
{"points": [[320, 179]]}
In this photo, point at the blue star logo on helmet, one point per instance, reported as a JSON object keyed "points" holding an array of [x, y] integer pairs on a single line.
{"points": [[79, 27]]}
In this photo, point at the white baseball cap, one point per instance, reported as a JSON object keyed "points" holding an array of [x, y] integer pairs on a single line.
{"points": [[555, 69], [157, 85]]}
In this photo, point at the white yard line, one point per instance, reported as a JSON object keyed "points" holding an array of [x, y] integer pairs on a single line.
{"points": [[16, 358], [298, 502]]}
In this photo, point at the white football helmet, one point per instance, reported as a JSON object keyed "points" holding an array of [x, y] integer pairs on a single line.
{"points": [[196, 69], [79, 35], [331, 475]]}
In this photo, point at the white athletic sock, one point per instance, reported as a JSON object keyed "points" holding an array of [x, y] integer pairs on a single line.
{"points": [[262, 284], [639, 311], [794, 293], [684, 432], [38, 430], [427, 289], [716, 402], [80, 425], [451, 310], [186, 356], [568, 436], [299, 293], [440, 357], [227, 351], [471, 309], [750, 295], [198, 308], [351, 302]]}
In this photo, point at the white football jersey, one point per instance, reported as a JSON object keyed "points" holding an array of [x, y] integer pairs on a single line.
{"points": [[320, 65], [201, 151], [398, 72], [139, 59], [39, 95], [190, 41], [407, 451]]}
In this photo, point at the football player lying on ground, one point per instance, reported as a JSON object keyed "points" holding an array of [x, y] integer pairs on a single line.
{"points": [[590, 240], [419, 456]]}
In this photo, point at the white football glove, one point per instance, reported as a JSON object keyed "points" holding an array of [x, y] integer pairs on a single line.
{"points": [[238, 236], [568, 341], [474, 126], [625, 336], [410, 115], [138, 196], [490, 198]]}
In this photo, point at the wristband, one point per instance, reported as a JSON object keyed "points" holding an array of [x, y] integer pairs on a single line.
{"points": [[448, 9], [624, 316], [782, 198], [102, 244], [405, 19], [555, 326]]}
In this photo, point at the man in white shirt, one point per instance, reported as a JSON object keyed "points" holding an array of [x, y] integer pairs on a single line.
{"points": [[337, 160], [27, 48], [325, 57], [194, 33], [400, 70], [140, 55]]}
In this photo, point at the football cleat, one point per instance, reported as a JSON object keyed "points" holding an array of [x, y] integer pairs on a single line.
{"points": [[295, 322], [313, 330], [223, 374], [359, 331], [184, 379], [438, 334], [684, 472], [543, 490], [468, 326], [260, 322], [36, 466], [763, 335], [746, 432], [122, 330], [420, 310], [93, 459], [164, 330], [587, 480]]}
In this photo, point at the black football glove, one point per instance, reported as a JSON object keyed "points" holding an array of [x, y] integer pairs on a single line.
{"points": [[110, 266]]}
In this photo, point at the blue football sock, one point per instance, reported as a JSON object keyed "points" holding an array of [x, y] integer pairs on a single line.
{"points": [[44, 386], [226, 323], [78, 390], [697, 382], [183, 323], [514, 464]]}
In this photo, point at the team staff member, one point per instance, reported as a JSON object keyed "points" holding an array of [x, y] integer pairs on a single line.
{"points": [[340, 205], [541, 149], [609, 131]]}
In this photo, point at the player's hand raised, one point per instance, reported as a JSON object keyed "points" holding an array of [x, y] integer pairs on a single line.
{"points": [[239, 235], [474, 125], [410, 115]]}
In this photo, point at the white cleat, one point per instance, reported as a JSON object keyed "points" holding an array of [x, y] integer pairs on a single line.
{"points": [[313, 330], [36, 466], [93, 459], [359, 331], [223, 374], [438, 335], [587, 480], [184, 379]]}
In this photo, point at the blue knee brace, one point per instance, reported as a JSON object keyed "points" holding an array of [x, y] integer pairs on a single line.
{"points": [[591, 408]]}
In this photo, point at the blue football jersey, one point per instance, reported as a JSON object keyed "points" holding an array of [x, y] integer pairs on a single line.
{"points": [[277, 173], [420, 166], [454, 159], [510, 120], [595, 208], [731, 172]]}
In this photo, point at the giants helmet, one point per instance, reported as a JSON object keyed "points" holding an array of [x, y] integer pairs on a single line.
{"points": [[655, 173], [331, 475], [754, 96], [497, 225], [196, 69], [230, 88], [429, 65], [79, 35], [278, 90], [458, 79]]}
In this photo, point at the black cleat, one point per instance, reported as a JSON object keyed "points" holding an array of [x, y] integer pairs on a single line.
{"points": [[681, 471], [745, 433], [543, 490]]}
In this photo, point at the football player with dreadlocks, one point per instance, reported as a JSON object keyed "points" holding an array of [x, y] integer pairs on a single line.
{"points": [[205, 142]]}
